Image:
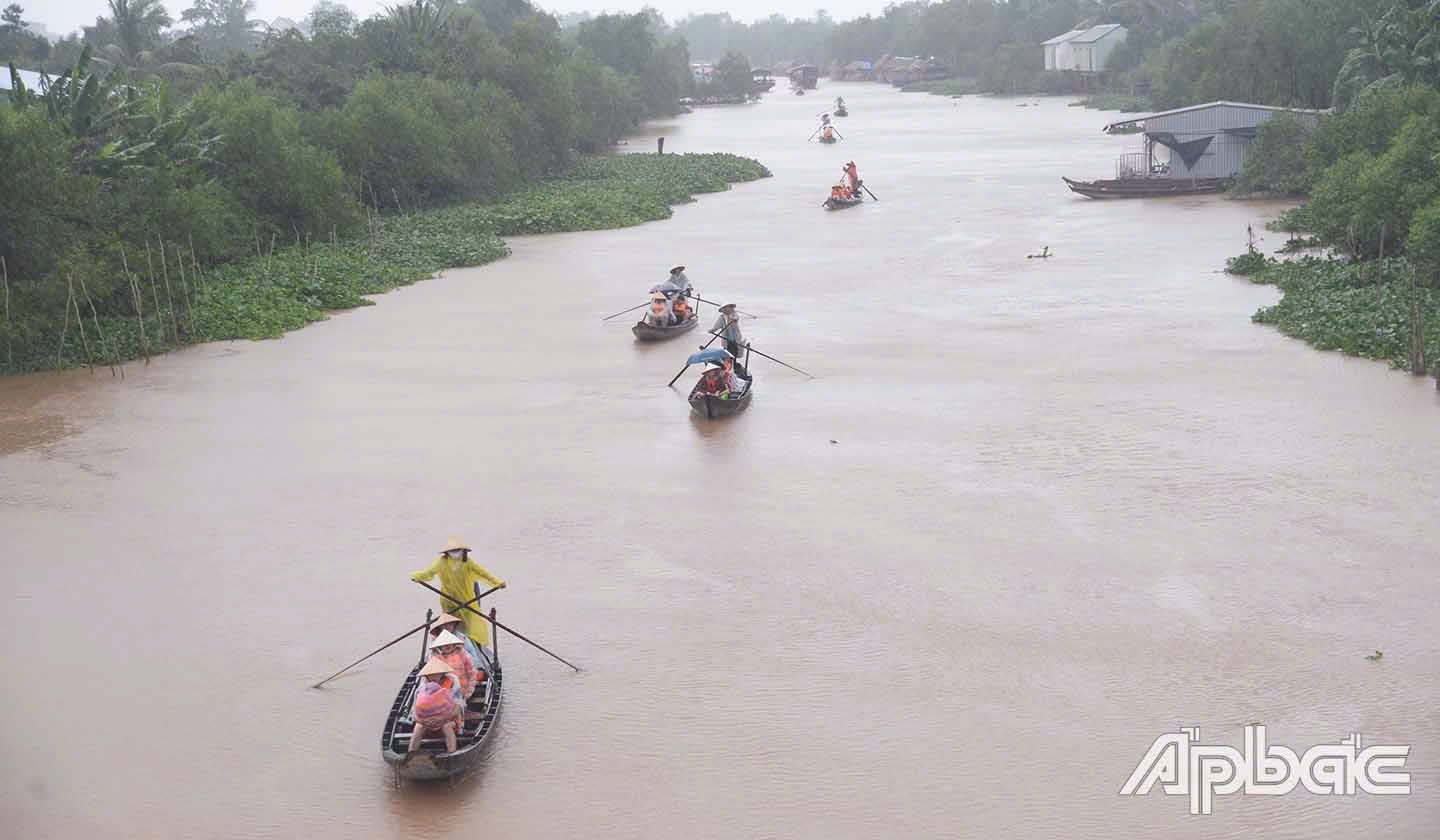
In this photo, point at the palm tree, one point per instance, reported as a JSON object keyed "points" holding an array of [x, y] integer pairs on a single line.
{"points": [[224, 24], [137, 25]]}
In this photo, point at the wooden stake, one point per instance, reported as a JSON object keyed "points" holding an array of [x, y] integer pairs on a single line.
{"points": [[114, 353], [60, 351], [169, 298], [79, 321], [5, 279], [1417, 330], [138, 300], [185, 293]]}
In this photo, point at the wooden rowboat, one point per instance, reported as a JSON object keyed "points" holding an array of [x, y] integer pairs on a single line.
{"points": [[841, 112], [431, 762], [833, 203], [711, 407], [648, 332], [1145, 187], [828, 140]]}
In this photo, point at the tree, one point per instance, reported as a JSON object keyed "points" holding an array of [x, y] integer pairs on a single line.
{"points": [[329, 19], [1423, 243], [136, 25], [732, 75], [224, 25], [11, 18]]}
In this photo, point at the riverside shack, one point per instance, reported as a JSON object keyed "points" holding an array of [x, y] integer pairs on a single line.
{"points": [[1196, 149]]}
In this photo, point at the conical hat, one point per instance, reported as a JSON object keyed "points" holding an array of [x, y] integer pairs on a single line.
{"points": [[445, 638], [435, 667], [455, 545], [444, 619], [677, 269]]}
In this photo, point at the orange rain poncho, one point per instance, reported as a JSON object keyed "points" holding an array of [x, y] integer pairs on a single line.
{"points": [[458, 579]]}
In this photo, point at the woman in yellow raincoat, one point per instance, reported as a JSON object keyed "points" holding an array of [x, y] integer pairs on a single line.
{"points": [[458, 576]]}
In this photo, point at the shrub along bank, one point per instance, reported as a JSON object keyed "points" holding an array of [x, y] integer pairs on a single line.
{"points": [[173, 300]]}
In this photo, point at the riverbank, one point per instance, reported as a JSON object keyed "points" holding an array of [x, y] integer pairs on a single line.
{"points": [[285, 288], [1334, 304], [952, 88]]}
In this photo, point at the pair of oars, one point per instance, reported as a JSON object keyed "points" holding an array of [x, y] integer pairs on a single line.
{"points": [[467, 605], [716, 335], [692, 297]]}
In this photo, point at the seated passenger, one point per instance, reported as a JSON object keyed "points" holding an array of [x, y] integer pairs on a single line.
{"points": [[438, 708]]}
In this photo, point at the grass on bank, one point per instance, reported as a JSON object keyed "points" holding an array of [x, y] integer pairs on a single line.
{"points": [[1335, 304], [285, 288]]}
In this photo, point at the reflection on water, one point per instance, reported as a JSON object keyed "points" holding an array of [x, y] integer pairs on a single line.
{"points": [[1030, 515]]}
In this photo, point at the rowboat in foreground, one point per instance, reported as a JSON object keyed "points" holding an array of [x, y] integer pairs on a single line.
{"points": [[1146, 187], [650, 332], [709, 406], [431, 762]]}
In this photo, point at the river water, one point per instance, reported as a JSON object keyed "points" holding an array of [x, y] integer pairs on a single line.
{"points": [[1028, 516]]}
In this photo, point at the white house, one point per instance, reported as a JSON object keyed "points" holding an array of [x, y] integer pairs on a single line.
{"points": [[1084, 50], [1058, 55]]}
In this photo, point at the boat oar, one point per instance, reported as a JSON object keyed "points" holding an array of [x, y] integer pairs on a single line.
{"points": [[867, 190], [717, 306], [407, 635], [514, 633], [671, 383], [837, 132], [631, 309], [771, 358]]}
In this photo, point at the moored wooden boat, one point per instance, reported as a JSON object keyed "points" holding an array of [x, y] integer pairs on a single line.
{"points": [[648, 332], [711, 407], [1145, 187], [431, 762]]}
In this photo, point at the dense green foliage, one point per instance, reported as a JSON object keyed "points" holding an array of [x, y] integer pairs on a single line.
{"points": [[1178, 52], [331, 159], [1372, 174], [288, 286], [1336, 305]]}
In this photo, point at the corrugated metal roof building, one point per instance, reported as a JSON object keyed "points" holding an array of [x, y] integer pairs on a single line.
{"points": [[1058, 53], [1091, 49], [1084, 50], [1204, 141]]}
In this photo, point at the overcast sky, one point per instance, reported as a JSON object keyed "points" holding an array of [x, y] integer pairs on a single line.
{"points": [[64, 16]]}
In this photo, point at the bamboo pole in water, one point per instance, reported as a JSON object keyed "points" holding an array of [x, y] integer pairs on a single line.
{"points": [[185, 292], [1417, 330], [95, 316], [79, 322], [5, 279], [169, 298], [60, 351], [139, 301], [150, 272]]}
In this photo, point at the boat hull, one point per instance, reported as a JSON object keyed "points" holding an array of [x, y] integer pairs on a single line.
{"points": [[1145, 187], [712, 407], [647, 332], [430, 763], [842, 203]]}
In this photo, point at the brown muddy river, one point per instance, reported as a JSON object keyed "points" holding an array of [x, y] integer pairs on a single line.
{"points": [[1029, 516]]}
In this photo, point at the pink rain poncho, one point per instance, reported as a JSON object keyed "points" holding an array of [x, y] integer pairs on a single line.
{"points": [[464, 668], [438, 703]]}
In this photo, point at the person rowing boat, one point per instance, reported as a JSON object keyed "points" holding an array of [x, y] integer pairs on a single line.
{"points": [[727, 326], [458, 577]]}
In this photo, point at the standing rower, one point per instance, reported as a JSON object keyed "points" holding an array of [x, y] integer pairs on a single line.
{"points": [[458, 576], [727, 326]]}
